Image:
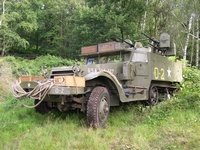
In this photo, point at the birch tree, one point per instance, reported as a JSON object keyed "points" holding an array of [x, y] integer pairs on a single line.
{"points": [[3, 11], [188, 36]]}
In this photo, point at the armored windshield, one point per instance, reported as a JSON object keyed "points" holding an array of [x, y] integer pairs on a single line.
{"points": [[101, 59]]}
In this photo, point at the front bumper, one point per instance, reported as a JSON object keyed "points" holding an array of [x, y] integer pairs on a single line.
{"points": [[54, 90], [61, 90]]}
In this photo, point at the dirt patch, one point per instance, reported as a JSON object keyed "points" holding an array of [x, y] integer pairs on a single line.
{"points": [[6, 79]]}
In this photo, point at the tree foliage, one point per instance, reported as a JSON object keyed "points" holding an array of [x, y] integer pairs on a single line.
{"points": [[61, 28], [18, 19]]}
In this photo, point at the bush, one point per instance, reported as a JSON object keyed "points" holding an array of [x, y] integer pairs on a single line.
{"points": [[22, 66], [190, 85]]}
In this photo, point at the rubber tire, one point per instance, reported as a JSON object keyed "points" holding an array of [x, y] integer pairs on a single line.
{"points": [[153, 94], [98, 97], [42, 108]]}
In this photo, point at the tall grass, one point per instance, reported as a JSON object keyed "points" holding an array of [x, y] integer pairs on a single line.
{"points": [[173, 125], [127, 128]]}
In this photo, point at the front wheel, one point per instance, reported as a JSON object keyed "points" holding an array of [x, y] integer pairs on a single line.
{"points": [[98, 107]]}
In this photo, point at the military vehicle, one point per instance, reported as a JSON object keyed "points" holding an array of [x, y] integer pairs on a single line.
{"points": [[114, 73]]}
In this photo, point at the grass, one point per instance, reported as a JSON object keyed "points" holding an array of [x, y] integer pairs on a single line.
{"points": [[127, 128], [5, 79], [171, 125]]}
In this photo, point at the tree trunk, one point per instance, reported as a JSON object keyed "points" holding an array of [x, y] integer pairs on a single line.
{"points": [[197, 51], [1, 21], [145, 16], [193, 40], [188, 36], [37, 43], [61, 34], [3, 50], [187, 39], [3, 11]]}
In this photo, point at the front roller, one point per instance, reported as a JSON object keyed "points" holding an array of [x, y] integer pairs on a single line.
{"points": [[98, 107]]}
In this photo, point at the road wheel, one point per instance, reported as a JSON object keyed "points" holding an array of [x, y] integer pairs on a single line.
{"points": [[98, 107], [42, 108], [153, 96]]}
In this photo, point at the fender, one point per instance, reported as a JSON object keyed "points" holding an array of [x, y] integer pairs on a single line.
{"points": [[110, 76]]}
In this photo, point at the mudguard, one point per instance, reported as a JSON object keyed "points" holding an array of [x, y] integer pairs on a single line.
{"points": [[110, 76]]}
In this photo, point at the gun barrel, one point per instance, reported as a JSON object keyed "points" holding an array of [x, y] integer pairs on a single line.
{"points": [[150, 38], [146, 35], [132, 45]]}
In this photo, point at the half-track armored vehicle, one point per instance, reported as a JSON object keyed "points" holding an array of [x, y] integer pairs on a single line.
{"points": [[113, 73]]}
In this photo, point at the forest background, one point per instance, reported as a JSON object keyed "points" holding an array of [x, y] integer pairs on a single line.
{"points": [[31, 28]]}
